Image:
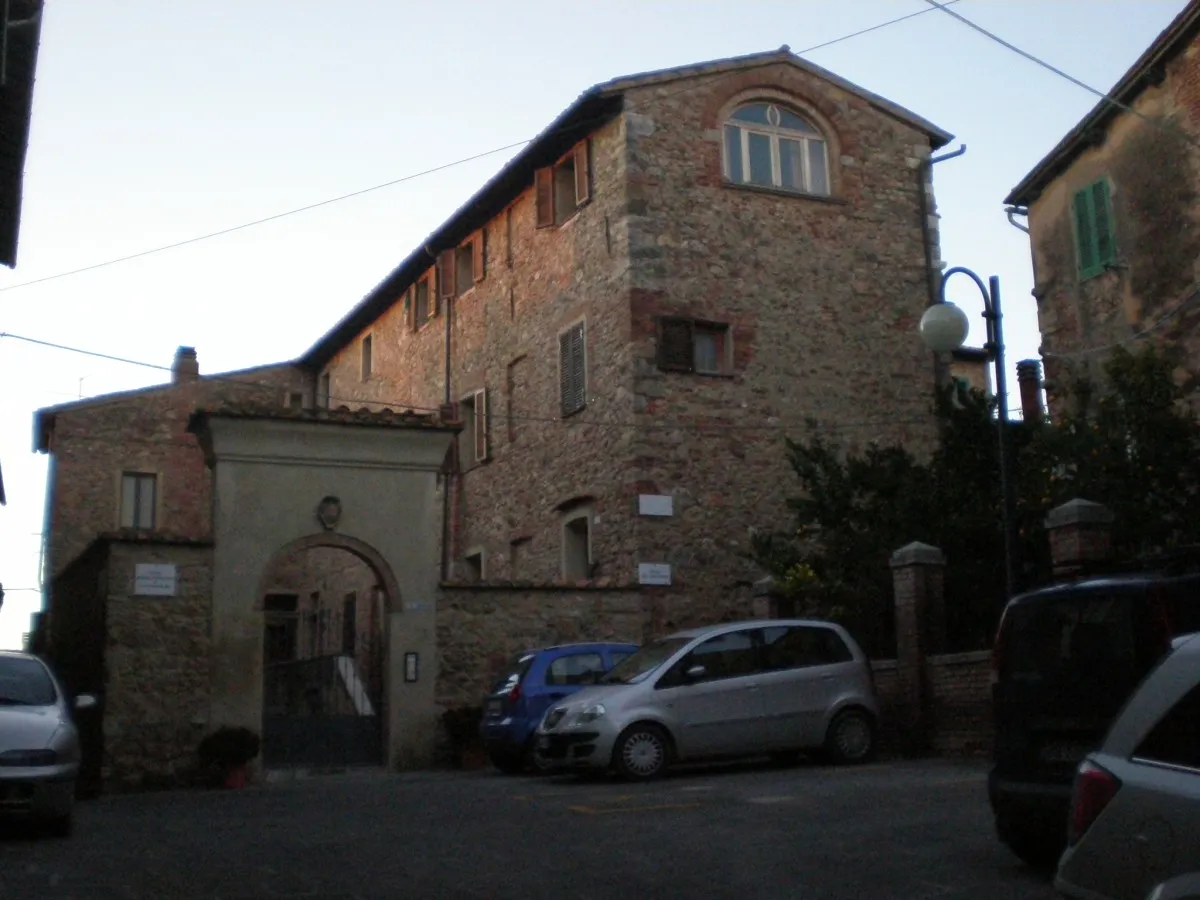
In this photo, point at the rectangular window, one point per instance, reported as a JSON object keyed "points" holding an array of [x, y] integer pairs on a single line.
{"points": [[295, 400], [1095, 241], [576, 669], [350, 624], [564, 188], [474, 444], [464, 268], [424, 307], [366, 357], [577, 547], [685, 345], [572, 368], [139, 500], [324, 391]]}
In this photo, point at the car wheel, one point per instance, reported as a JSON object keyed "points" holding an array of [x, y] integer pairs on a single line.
{"points": [[851, 737], [642, 752], [538, 763], [508, 763]]}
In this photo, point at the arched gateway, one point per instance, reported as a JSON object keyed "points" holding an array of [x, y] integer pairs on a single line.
{"points": [[325, 573]]}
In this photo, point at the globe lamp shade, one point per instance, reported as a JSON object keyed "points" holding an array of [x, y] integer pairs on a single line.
{"points": [[944, 327]]}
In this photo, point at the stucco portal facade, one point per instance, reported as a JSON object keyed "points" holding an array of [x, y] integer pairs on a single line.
{"points": [[272, 474]]}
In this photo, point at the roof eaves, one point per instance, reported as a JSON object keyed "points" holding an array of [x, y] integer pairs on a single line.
{"points": [[16, 110], [1145, 72]]}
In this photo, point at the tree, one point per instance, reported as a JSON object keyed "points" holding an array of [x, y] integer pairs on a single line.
{"points": [[1135, 449]]}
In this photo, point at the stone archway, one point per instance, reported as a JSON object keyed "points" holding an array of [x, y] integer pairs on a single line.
{"points": [[358, 482]]}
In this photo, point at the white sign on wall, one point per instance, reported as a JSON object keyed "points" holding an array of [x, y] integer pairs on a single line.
{"points": [[155, 579], [656, 504], [654, 573]]}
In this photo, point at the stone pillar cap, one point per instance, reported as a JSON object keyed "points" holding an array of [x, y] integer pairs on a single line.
{"points": [[918, 554], [1079, 512]]}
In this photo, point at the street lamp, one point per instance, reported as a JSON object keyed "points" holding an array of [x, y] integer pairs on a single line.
{"points": [[944, 328]]}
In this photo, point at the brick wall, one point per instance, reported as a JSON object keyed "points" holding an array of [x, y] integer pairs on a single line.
{"points": [[94, 441], [960, 702]]}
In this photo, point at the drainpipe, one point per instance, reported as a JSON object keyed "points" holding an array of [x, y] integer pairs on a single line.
{"points": [[924, 175], [1023, 211], [445, 561]]}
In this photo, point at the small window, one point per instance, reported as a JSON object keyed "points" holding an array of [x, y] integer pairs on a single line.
{"points": [[768, 146], [1175, 740], [563, 188], [139, 500], [685, 345], [577, 547], [350, 624], [579, 668], [423, 307], [464, 277], [474, 444], [366, 357], [731, 655], [325, 390], [572, 369], [795, 647], [473, 570], [1095, 241], [295, 400]]}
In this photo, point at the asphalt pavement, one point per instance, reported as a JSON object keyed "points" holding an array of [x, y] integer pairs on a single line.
{"points": [[905, 830]]}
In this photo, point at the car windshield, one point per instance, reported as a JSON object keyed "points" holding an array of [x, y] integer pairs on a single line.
{"points": [[25, 682], [635, 668]]}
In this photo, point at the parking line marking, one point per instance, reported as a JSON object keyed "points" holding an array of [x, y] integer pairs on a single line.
{"points": [[592, 811]]}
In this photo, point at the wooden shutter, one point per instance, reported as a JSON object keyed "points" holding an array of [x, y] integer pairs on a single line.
{"points": [[445, 273], [409, 315], [1084, 235], [583, 174], [477, 255], [572, 369], [543, 182], [1106, 251], [675, 347], [431, 296], [481, 425]]}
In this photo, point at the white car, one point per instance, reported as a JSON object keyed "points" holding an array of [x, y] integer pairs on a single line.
{"points": [[39, 745], [1135, 807]]}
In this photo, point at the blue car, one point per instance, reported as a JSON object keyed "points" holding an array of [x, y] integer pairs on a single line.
{"points": [[530, 682]]}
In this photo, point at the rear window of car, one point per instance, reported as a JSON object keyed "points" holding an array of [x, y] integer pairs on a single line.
{"points": [[1175, 740], [514, 672], [1078, 634], [578, 668], [25, 682]]}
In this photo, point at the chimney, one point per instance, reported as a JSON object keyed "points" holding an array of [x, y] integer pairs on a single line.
{"points": [[1029, 380], [186, 367]]}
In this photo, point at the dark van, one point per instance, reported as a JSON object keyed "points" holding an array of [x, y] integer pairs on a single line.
{"points": [[1065, 660]]}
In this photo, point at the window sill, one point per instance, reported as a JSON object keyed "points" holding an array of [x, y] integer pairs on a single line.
{"points": [[780, 192], [697, 374]]}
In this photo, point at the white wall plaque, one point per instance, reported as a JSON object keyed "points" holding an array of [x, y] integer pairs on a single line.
{"points": [[155, 579], [656, 504], [654, 573]]}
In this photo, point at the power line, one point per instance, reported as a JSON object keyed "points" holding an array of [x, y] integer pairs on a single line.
{"points": [[1107, 98], [440, 168], [1192, 294]]}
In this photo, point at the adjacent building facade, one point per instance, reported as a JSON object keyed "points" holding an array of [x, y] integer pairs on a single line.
{"points": [[624, 325], [1112, 214]]}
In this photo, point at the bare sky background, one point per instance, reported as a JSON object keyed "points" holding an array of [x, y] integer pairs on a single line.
{"points": [[158, 121]]}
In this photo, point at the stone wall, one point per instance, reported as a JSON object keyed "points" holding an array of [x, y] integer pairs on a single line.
{"points": [[1153, 167], [94, 441], [960, 702]]}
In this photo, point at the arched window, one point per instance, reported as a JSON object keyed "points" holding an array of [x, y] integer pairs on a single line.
{"points": [[772, 147]]}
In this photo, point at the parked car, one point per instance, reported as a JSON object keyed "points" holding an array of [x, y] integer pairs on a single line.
{"points": [[39, 746], [1066, 659], [745, 688], [529, 684], [1184, 887], [1135, 807]]}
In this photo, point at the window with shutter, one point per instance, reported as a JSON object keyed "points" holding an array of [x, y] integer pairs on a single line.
{"points": [[477, 255], [675, 345], [139, 500], [445, 273], [544, 188], [1095, 240], [422, 311], [583, 175], [572, 368], [464, 268]]}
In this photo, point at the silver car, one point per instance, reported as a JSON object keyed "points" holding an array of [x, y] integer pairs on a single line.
{"points": [[39, 746], [1135, 810], [746, 688]]}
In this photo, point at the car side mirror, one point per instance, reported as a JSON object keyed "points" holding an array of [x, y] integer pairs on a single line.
{"points": [[84, 701], [696, 672]]}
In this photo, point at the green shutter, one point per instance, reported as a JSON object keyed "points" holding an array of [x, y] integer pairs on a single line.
{"points": [[1106, 247], [1084, 239]]}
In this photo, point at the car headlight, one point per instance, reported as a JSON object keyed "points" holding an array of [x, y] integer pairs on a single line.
{"points": [[553, 717], [592, 713], [28, 758]]}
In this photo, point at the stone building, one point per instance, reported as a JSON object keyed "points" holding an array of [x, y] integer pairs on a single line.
{"points": [[1113, 218], [625, 323]]}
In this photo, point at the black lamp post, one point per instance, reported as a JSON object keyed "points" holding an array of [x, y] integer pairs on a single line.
{"points": [[944, 329]]}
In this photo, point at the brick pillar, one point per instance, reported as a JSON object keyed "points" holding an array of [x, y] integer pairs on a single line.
{"points": [[1080, 533], [917, 578], [1029, 379]]}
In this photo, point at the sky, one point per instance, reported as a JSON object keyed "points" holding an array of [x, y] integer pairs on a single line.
{"points": [[158, 122]]}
